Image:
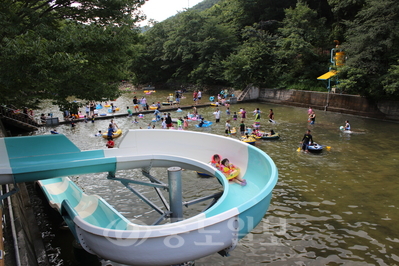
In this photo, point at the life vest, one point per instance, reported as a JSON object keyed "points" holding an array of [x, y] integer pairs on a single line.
{"points": [[214, 163]]}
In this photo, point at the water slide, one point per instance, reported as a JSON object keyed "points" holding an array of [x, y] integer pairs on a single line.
{"points": [[103, 231]]}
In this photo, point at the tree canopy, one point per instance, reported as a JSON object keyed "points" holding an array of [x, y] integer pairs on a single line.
{"points": [[61, 49], [82, 49], [271, 43], [371, 43]]}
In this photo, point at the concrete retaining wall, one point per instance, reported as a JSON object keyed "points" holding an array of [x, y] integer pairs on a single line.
{"points": [[31, 249], [390, 108], [349, 104]]}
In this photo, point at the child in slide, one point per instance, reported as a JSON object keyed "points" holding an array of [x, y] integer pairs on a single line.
{"points": [[231, 172]]}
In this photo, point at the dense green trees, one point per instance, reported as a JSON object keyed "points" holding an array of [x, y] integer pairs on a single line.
{"points": [[187, 49], [231, 44], [276, 44], [302, 36], [58, 49], [373, 53], [253, 62]]}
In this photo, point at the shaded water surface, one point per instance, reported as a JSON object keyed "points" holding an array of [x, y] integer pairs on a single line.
{"points": [[334, 208]]}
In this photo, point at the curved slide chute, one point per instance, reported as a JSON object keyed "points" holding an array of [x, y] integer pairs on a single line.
{"points": [[103, 231]]}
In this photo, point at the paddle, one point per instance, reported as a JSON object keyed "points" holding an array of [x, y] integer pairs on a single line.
{"points": [[327, 147], [300, 147]]}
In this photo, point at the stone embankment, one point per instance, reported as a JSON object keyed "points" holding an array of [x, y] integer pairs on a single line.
{"points": [[341, 103]]}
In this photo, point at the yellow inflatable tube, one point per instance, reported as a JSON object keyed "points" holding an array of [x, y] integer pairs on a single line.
{"points": [[232, 174], [115, 135]]}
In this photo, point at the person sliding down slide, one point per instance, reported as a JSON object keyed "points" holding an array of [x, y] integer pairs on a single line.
{"points": [[215, 161], [231, 172]]}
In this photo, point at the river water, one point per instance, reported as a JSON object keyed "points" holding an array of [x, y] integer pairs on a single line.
{"points": [[334, 208]]}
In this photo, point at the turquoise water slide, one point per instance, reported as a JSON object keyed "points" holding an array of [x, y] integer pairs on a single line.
{"points": [[103, 231], [26, 159]]}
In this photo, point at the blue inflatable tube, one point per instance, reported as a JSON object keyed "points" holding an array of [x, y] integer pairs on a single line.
{"points": [[206, 124]]}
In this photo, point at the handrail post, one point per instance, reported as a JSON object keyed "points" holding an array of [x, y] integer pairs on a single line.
{"points": [[175, 194]]}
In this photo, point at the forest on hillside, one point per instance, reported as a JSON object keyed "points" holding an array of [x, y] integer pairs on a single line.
{"points": [[82, 49], [275, 44]]}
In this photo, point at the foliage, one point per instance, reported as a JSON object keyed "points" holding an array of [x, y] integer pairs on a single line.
{"points": [[351, 79], [390, 81], [147, 65], [201, 6], [253, 11], [253, 63], [343, 10], [188, 49], [277, 44], [237, 42], [372, 39], [301, 36], [307, 85], [57, 49]]}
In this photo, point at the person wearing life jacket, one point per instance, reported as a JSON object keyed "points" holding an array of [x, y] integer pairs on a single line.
{"points": [[110, 143], [215, 160], [231, 172], [257, 118]]}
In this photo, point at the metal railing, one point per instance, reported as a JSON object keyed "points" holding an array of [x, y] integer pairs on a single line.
{"points": [[18, 116], [244, 92]]}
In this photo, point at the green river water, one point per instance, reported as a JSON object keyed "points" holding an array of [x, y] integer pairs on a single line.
{"points": [[339, 207]]}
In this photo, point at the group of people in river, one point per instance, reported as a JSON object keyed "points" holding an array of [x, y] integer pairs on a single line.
{"points": [[183, 121], [112, 128], [307, 138], [241, 114]]}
